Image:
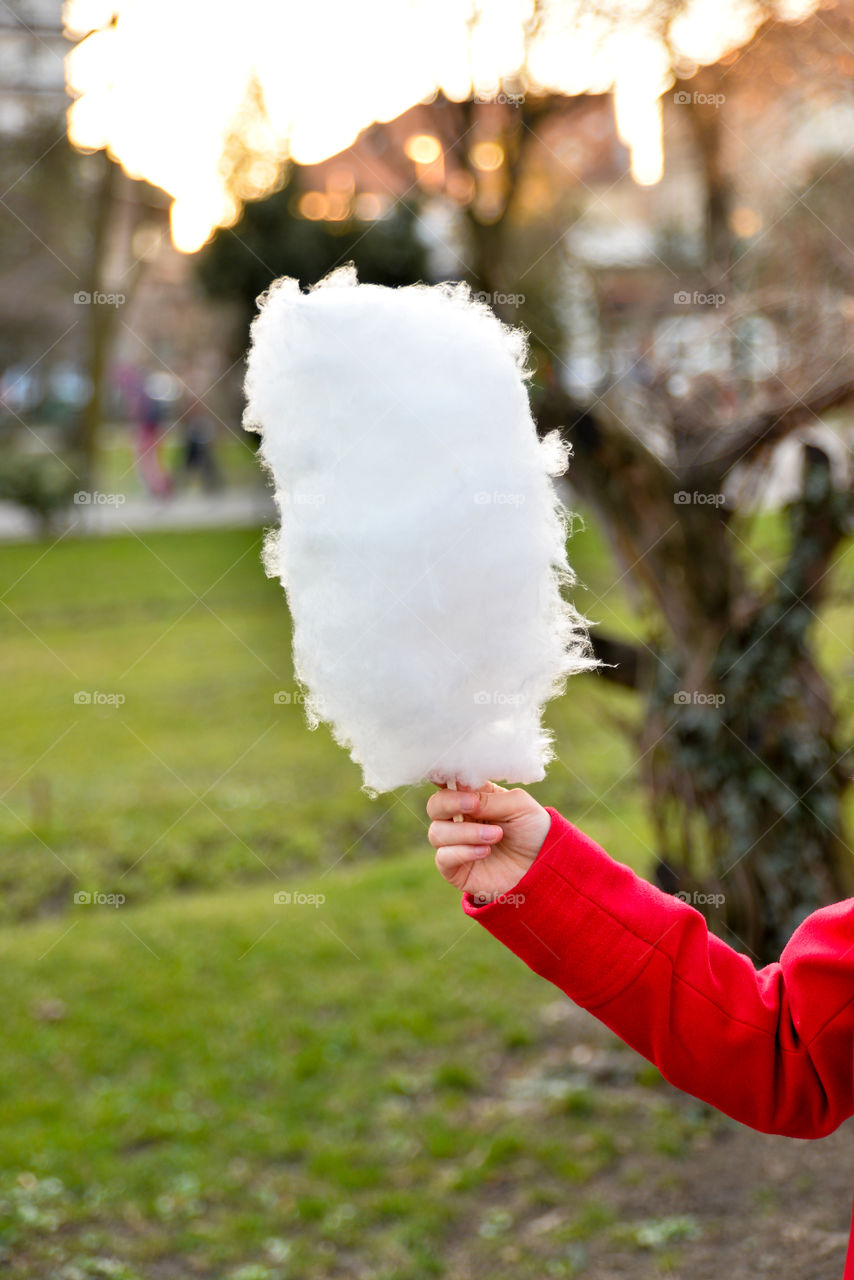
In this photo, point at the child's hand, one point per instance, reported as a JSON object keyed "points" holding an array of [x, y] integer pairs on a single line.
{"points": [[487, 854]]}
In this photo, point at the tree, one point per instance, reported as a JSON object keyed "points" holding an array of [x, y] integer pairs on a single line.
{"points": [[64, 216], [739, 742], [273, 239]]}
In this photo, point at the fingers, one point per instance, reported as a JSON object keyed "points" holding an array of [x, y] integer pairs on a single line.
{"points": [[470, 833], [451, 857], [491, 801]]}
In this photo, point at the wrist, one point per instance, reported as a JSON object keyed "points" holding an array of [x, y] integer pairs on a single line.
{"points": [[543, 826], [541, 821]]}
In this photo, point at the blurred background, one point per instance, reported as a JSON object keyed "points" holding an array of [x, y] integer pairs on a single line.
{"points": [[250, 1034]]}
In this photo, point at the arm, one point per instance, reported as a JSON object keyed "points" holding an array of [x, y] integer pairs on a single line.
{"points": [[773, 1048]]}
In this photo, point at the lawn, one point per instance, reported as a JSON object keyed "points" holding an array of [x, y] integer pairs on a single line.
{"points": [[235, 458], [191, 765], [217, 1086], [200, 1081]]}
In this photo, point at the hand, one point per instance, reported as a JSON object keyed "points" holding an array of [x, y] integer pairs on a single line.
{"points": [[486, 860]]}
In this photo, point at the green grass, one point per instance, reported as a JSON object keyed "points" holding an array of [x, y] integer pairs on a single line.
{"points": [[200, 777], [216, 1082], [201, 1082], [117, 471]]}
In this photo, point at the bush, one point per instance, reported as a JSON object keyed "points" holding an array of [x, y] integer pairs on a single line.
{"points": [[41, 483]]}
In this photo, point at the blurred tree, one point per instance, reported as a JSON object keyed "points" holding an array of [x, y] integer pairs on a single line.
{"points": [[100, 320], [42, 241], [40, 238], [739, 741], [116, 208], [272, 239], [64, 215]]}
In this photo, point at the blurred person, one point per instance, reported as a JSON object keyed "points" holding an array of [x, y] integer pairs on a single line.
{"points": [[198, 456], [20, 389], [773, 1048], [149, 442]]}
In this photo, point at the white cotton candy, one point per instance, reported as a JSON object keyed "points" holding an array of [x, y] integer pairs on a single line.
{"points": [[422, 543]]}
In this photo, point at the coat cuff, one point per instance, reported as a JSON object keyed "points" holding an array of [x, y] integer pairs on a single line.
{"points": [[577, 917]]}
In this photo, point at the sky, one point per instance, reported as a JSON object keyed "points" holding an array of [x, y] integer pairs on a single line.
{"points": [[162, 86]]}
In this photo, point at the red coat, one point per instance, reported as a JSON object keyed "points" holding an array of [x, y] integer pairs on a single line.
{"points": [[773, 1047]]}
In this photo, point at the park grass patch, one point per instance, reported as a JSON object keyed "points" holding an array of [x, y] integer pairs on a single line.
{"points": [[155, 738], [218, 1081], [202, 1081]]}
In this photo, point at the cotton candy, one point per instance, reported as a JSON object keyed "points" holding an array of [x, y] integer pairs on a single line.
{"points": [[422, 546]]}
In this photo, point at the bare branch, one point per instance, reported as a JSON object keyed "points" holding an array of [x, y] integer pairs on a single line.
{"points": [[711, 464]]}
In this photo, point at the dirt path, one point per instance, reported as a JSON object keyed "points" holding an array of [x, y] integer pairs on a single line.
{"points": [[722, 1202]]}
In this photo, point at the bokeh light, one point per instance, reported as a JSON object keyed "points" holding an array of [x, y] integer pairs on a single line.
{"points": [[163, 84]]}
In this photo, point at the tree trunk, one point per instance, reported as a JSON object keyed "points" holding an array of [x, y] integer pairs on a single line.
{"points": [[738, 748], [751, 751], [99, 319], [699, 97]]}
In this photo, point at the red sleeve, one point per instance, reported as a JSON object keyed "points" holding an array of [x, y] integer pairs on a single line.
{"points": [[774, 1047]]}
